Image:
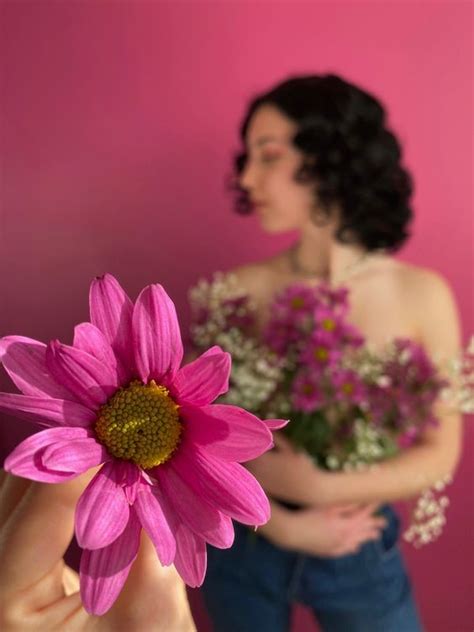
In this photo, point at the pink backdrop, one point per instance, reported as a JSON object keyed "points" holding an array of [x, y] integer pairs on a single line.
{"points": [[118, 121]]}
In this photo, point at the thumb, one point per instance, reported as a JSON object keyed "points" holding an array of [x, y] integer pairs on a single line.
{"points": [[39, 529]]}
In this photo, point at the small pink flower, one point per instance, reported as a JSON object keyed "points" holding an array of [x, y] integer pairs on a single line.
{"points": [[320, 350], [408, 437], [351, 336], [337, 300], [170, 458], [306, 391], [279, 336], [348, 386], [327, 320], [291, 317], [294, 302]]}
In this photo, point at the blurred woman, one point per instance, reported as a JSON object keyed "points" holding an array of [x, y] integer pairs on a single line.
{"points": [[318, 158]]}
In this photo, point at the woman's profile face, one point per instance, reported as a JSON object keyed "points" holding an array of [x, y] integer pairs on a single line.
{"points": [[280, 203]]}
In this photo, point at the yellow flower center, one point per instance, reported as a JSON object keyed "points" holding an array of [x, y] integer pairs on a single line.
{"points": [[140, 423], [348, 388], [320, 353], [297, 302], [328, 324]]}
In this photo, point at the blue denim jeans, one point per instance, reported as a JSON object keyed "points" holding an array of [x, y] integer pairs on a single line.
{"points": [[252, 586]]}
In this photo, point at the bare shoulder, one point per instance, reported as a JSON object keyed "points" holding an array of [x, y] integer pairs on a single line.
{"points": [[424, 282], [432, 304], [425, 288], [259, 278], [392, 298]]}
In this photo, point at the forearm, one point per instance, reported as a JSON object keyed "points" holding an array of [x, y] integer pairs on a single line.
{"points": [[277, 528], [403, 476], [294, 478]]}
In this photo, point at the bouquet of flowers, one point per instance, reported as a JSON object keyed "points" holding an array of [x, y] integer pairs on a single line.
{"points": [[350, 405], [223, 314]]}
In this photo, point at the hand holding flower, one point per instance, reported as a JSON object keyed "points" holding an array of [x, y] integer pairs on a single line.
{"points": [[171, 459], [39, 592]]}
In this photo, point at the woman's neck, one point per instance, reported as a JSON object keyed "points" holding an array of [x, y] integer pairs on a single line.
{"points": [[308, 257], [317, 255]]}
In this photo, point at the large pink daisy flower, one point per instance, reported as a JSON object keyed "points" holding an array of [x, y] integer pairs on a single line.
{"points": [[170, 458]]}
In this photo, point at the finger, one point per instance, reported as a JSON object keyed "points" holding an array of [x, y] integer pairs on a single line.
{"points": [[66, 613], [70, 581], [152, 592], [371, 533], [344, 510], [369, 521], [11, 492], [379, 523], [369, 525], [363, 512], [356, 541], [370, 508], [366, 509], [38, 532]]}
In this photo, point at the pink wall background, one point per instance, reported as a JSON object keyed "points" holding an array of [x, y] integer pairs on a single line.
{"points": [[117, 124]]}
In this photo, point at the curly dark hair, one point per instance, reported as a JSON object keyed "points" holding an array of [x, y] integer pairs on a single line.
{"points": [[349, 153]]}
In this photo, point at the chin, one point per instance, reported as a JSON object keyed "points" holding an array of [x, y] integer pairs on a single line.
{"points": [[273, 226], [276, 231]]}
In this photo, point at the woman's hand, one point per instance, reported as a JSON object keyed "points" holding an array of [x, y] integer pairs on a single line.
{"points": [[329, 532], [39, 592]]}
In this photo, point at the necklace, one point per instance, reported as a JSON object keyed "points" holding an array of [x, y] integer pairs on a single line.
{"points": [[348, 270]]}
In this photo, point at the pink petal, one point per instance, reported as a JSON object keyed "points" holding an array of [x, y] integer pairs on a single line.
{"points": [[26, 458], [90, 339], [90, 381], [76, 456], [47, 411], [102, 511], [24, 360], [111, 311], [227, 486], [191, 556], [227, 432], [194, 510], [156, 335], [203, 380], [152, 518], [276, 424], [103, 572], [131, 478]]}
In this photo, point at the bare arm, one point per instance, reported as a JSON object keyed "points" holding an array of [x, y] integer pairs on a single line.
{"points": [[295, 478]]}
